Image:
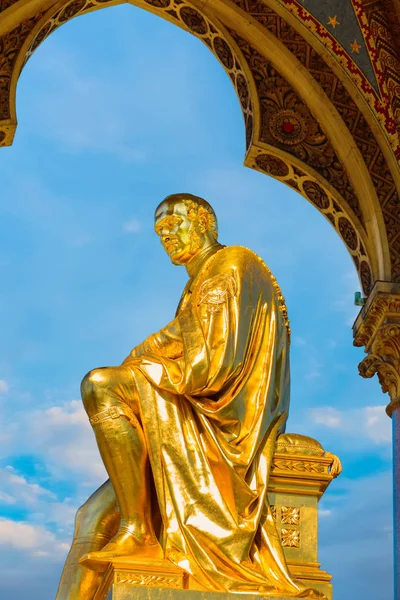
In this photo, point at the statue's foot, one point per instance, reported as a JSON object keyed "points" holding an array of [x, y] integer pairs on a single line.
{"points": [[123, 544]]}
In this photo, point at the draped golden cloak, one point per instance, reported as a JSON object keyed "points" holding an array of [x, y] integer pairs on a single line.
{"points": [[213, 389]]}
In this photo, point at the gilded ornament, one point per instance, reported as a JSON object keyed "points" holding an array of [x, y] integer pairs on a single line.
{"points": [[290, 538], [290, 515], [366, 277], [348, 233], [214, 292], [288, 127], [272, 165], [148, 580], [194, 20], [316, 194], [301, 466], [355, 47], [333, 22], [224, 53], [167, 420], [274, 512]]}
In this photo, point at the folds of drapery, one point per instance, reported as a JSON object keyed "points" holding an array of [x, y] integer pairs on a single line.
{"points": [[214, 394]]}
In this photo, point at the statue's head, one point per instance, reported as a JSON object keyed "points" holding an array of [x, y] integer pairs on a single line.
{"points": [[186, 225]]}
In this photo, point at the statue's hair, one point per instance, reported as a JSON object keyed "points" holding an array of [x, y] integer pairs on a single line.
{"points": [[196, 207]]}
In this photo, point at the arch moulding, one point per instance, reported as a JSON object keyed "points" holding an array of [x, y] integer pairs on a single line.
{"points": [[309, 121]]}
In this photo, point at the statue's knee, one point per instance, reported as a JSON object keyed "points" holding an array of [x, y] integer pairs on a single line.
{"points": [[90, 388], [98, 515], [87, 519], [82, 519]]}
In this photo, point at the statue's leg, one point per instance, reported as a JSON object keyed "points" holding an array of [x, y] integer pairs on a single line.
{"points": [[96, 523], [111, 402]]}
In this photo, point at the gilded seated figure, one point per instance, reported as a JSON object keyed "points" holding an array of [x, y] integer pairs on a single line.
{"points": [[187, 424]]}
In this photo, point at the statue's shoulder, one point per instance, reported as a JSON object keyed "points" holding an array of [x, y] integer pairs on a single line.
{"points": [[242, 260], [237, 256], [245, 260]]}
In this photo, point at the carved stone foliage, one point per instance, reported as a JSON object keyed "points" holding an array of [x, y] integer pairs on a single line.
{"points": [[322, 198], [379, 332], [5, 4], [290, 515], [290, 538], [286, 123], [381, 24], [149, 580], [301, 466], [345, 105], [374, 82], [10, 45], [285, 516]]}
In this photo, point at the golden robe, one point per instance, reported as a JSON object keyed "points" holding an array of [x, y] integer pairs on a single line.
{"points": [[213, 389]]}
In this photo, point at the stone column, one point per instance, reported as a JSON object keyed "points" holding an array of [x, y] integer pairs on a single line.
{"points": [[377, 328]]}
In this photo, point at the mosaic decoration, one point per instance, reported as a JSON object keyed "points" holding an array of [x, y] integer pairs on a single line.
{"points": [[173, 10], [352, 54], [290, 143], [339, 18], [352, 116]]}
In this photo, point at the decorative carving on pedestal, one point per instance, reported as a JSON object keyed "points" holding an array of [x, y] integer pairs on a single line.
{"points": [[290, 538], [378, 329], [148, 580], [290, 515]]}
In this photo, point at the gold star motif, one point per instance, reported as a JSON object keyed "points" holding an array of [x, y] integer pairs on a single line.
{"points": [[333, 21], [355, 47]]}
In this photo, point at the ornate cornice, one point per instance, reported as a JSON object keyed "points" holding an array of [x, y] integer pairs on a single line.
{"points": [[377, 328]]}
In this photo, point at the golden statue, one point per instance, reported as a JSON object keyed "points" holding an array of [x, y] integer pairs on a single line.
{"points": [[187, 426]]}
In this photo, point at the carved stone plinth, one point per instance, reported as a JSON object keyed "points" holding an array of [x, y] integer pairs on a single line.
{"points": [[128, 577], [301, 472], [127, 593]]}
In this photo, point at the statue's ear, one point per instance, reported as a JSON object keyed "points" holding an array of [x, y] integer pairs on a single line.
{"points": [[203, 223]]}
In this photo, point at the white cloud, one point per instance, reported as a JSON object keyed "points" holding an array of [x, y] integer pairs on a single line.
{"points": [[65, 435], [370, 422], [34, 539], [328, 416], [377, 424], [132, 226], [16, 489], [6, 498], [4, 387]]}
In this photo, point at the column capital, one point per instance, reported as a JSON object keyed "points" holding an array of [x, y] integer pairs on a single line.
{"points": [[377, 328]]}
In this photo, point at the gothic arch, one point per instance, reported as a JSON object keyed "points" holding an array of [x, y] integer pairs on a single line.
{"points": [[313, 119]]}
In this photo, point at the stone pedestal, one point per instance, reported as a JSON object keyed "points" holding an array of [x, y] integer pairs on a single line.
{"points": [[301, 472], [126, 593]]}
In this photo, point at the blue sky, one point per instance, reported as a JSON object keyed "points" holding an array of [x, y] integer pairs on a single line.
{"points": [[116, 110]]}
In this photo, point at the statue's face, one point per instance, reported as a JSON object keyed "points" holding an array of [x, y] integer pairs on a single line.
{"points": [[180, 237]]}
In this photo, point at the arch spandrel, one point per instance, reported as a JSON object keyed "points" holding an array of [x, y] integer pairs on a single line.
{"points": [[305, 129]]}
